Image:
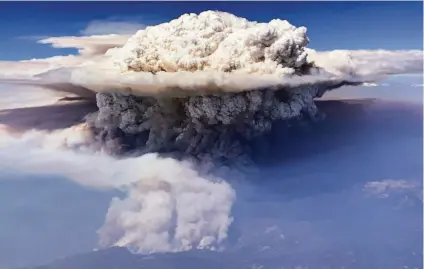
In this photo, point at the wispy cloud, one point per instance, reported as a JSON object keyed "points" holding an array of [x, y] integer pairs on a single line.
{"points": [[87, 45], [32, 37], [418, 85], [369, 84], [104, 27], [116, 25]]}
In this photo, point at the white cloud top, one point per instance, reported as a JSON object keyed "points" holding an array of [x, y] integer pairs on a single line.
{"points": [[215, 41]]}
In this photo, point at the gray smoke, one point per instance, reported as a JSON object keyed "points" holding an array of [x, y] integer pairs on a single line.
{"points": [[217, 127]]}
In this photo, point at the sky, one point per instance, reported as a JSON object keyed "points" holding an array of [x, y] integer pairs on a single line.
{"points": [[331, 25]]}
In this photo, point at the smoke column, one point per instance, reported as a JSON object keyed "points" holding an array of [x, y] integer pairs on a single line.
{"points": [[207, 120]]}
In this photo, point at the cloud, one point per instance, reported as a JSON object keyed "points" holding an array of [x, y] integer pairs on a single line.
{"points": [[167, 204], [210, 53], [171, 208], [33, 67], [24, 79], [25, 96], [373, 64], [87, 45], [417, 85], [389, 187], [24, 69], [369, 84], [106, 27], [373, 84], [188, 55], [101, 75], [32, 37]]}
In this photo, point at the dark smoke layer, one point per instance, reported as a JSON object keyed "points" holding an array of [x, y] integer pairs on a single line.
{"points": [[217, 127]]}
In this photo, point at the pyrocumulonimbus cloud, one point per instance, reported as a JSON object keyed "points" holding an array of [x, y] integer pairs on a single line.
{"points": [[201, 86]]}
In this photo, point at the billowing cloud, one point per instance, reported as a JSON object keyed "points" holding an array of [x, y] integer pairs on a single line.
{"points": [[167, 205], [171, 208]]}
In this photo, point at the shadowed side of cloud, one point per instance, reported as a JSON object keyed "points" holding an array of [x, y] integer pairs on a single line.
{"points": [[47, 117]]}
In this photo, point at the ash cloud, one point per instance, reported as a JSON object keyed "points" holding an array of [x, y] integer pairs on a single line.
{"points": [[216, 81]]}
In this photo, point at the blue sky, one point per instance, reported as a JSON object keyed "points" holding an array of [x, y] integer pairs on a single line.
{"points": [[331, 25]]}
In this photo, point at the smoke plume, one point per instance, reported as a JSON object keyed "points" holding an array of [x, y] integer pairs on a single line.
{"points": [[166, 204]]}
